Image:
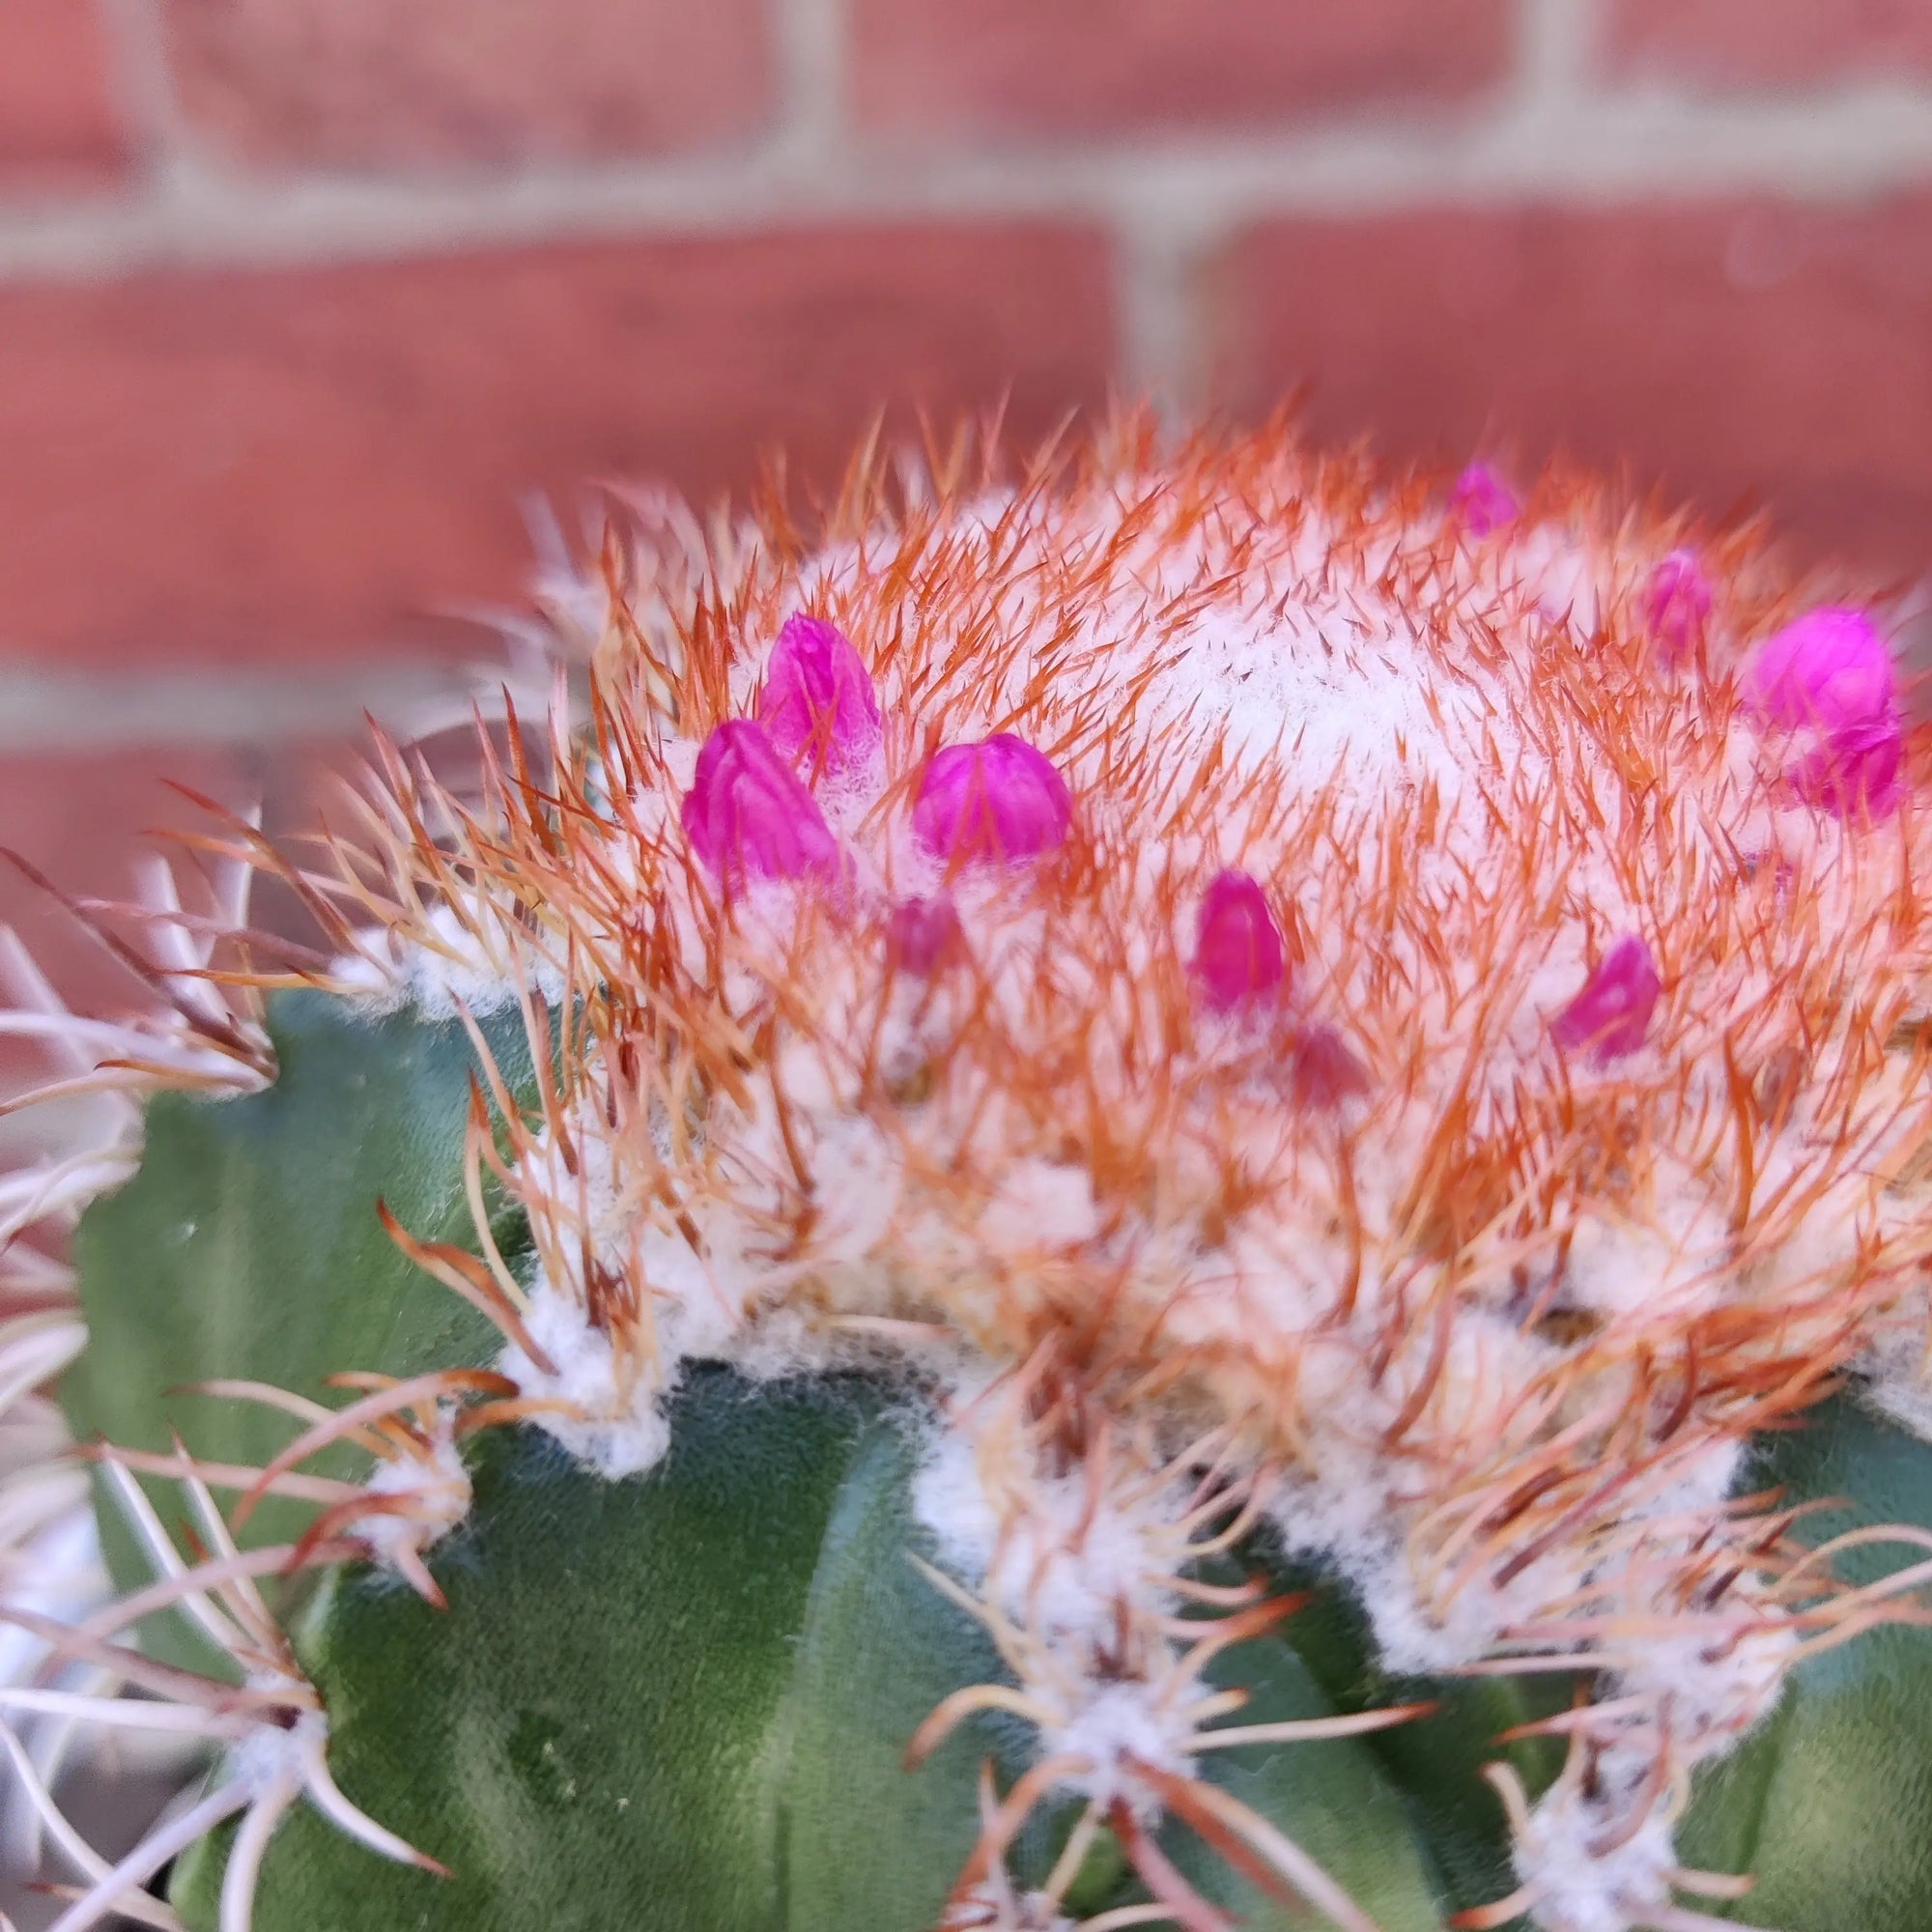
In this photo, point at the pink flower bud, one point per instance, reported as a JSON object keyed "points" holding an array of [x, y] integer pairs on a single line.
{"points": [[1677, 606], [1322, 1070], [1854, 772], [748, 816], [1611, 1014], [1830, 671], [817, 702], [925, 935], [998, 800], [1482, 502], [1238, 960], [1831, 675]]}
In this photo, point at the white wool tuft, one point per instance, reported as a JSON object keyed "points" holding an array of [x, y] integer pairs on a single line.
{"points": [[455, 971], [1578, 1889], [1039, 1204], [1675, 1259], [1713, 1691], [1906, 1401], [465, 976], [369, 978], [1078, 1573], [1896, 1383], [860, 1179], [1118, 1724], [440, 1488], [621, 1431], [270, 1752], [1062, 1561]]}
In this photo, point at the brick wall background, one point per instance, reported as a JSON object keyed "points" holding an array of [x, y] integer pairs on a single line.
{"points": [[300, 298]]}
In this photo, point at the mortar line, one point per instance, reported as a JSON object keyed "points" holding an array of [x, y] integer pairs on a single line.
{"points": [[1662, 146], [143, 83], [1556, 42], [60, 711], [1160, 310], [809, 39]]}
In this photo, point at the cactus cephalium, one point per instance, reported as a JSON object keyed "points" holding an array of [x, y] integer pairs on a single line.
{"points": [[1186, 1189]]}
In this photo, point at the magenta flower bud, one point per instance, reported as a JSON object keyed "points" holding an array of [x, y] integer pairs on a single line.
{"points": [[748, 816], [1239, 960], [1322, 1070], [1611, 1014], [925, 935], [998, 800], [1832, 670], [1854, 772], [1831, 675], [1677, 606], [817, 702], [1482, 502]]}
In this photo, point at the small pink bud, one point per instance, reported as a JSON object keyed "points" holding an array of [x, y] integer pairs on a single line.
{"points": [[748, 816], [1830, 671], [1854, 772], [925, 935], [998, 800], [1831, 675], [817, 702], [1321, 1071], [1677, 606], [1238, 960], [1482, 502], [1612, 1012]]}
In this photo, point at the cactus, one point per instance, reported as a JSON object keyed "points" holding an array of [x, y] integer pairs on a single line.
{"points": [[1181, 1188]]}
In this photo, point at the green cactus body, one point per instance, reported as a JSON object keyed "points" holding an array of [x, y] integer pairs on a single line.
{"points": [[936, 1280]]}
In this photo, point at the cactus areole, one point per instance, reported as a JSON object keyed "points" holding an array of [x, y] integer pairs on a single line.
{"points": [[1187, 1188]]}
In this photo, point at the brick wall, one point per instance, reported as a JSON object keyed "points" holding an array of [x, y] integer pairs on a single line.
{"points": [[300, 299]]}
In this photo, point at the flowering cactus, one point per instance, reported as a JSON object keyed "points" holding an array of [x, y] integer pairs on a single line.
{"points": [[1187, 1191]]}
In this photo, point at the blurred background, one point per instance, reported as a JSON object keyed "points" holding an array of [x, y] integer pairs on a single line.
{"points": [[303, 303]]}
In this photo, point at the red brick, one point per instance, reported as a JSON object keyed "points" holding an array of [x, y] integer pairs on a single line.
{"points": [[1769, 40], [1723, 349], [276, 465], [1053, 68], [59, 123], [375, 83], [78, 817]]}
